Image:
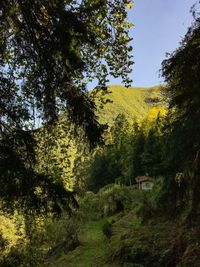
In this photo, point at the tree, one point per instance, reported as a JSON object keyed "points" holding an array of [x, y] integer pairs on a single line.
{"points": [[120, 151], [137, 150], [110, 163], [102, 171], [181, 71], [49, 51]]}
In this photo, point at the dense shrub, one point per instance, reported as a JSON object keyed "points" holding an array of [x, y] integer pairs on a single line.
{"points": [[107, 229], [115, 199], [43, 238], [90, 206], [145, 245], [111, 199], [147, 207], [62, 234]]}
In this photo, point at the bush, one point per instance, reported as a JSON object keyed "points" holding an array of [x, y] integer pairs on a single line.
{"points": [[115, 199], [44, 237], [3, 242], [61, 234], [107, 229], [110, 200], [145, 245], [148, 204], [90, 206]]}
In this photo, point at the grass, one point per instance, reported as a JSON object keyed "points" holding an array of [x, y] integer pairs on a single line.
{"points": [[91, 253]]}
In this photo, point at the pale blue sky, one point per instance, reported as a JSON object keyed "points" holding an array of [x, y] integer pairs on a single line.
{"points": [[159, 27]]}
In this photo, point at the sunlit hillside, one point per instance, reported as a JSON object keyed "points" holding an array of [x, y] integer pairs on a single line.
{"points": [[133, 102]]}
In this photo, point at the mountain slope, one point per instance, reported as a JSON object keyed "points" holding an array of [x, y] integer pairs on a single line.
{"points": [[133, 102]]}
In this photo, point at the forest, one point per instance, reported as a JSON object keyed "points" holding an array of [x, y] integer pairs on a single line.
{"points": [[74, 162]]}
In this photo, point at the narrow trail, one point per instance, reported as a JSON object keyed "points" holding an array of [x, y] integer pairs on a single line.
{"points": [[92, 251]]}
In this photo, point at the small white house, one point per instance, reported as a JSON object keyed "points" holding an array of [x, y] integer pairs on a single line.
{"points": [[144, 182]]}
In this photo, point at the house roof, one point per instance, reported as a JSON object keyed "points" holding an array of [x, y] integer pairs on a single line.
{"points": [[140, 179]]}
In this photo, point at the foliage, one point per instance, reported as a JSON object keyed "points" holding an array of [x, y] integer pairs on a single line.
{"points": [[132, 149], [56, 152], [11, 231], [47, 49], [107, 164], [36, 239], [181, 71], [102, 172], [115, 199], [142, 245], [110, 200], [47, 56], [107, 229], [90, 206], [65, 156], [61, 235]]}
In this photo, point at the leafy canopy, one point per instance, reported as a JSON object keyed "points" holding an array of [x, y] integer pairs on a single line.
{"points": [[49, 51], [181, 71]]}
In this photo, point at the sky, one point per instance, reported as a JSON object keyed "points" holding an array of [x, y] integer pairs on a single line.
{"points": [[159, 27]]}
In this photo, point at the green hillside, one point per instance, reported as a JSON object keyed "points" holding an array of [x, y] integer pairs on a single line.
{"points": [[133, 102]]}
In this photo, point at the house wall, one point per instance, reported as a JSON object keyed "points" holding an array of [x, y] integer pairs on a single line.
{"points": [[147, 185]]}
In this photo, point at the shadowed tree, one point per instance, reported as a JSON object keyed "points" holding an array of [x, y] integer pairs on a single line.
{"points": [[181, 71], [49, 51]]}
